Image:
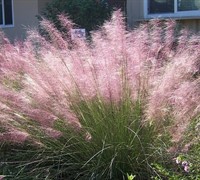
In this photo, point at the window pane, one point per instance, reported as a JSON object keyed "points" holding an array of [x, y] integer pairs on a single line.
{"points": [[160, 6], [188, 5], [8, 12], [1, 15]]}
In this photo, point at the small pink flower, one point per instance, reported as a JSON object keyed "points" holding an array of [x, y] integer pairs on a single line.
{"points": [[185, 163], [186, 168]]}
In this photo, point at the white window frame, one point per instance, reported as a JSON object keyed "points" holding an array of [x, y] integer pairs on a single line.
{"points": [[175, 14], [3, 16]]}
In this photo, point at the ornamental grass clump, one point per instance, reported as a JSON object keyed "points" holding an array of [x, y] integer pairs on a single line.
{"points": [[98, 109]]}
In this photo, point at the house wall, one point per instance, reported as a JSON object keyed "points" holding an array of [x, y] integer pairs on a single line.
{"points": [[25, 12], [135, 15], [135, 12], [191, 24]]}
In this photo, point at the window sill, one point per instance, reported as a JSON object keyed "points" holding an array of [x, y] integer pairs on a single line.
{"points": [[176, 15], [172, 17], [6, 26]]}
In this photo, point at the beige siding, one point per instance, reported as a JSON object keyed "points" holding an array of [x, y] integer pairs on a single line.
{"points": [[191, 24], [135, 11], [135, 15], [25, 12]]}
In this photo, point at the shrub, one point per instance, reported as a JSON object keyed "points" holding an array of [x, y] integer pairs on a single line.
{"points": [[88, 14], [98, 109]]}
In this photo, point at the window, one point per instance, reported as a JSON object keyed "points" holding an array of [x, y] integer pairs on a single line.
{"points": [[188, 5], [160, 6], [6, 13], [172, 8]]}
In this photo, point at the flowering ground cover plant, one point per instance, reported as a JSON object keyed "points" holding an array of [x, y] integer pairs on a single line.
{"points": [[114, 105]]}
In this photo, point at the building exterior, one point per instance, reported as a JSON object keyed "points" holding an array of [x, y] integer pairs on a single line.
{"points": [[186, 12], [16, 16]]}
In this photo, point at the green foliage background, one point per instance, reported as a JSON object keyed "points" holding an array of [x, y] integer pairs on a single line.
{"points": [[88, 14]]}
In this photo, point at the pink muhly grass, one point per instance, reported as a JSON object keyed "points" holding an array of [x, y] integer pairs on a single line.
{"points": [[110, 69], [55, 36], [67, 26], [2, 177], [185, 100], [66, 23], [152, 63], [52, 133], [14, 136]]}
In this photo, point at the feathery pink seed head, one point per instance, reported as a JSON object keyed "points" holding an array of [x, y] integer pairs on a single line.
{"points": [[154, 64]]}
